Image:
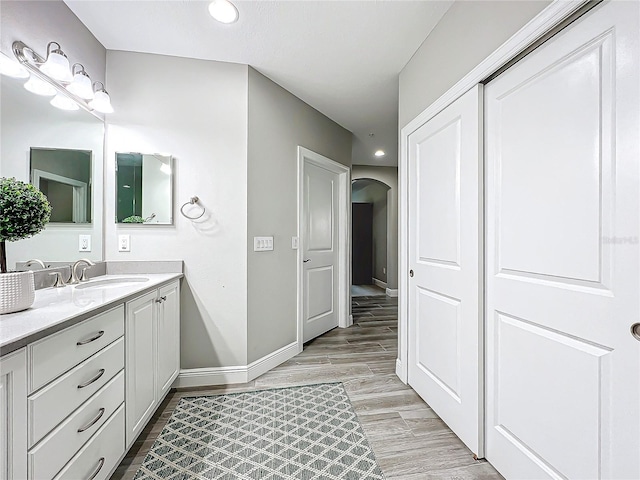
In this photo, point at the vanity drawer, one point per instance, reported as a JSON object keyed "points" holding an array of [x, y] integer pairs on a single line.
{"points": [[100, 455], [50, 455], [56, 354], [52, 404]]}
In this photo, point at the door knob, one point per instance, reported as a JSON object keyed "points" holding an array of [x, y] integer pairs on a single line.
{"points": [[307, 260], [635, 330], [411, 273]]}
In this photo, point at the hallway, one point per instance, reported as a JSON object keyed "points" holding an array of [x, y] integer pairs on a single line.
{"points": [[409, 440]]}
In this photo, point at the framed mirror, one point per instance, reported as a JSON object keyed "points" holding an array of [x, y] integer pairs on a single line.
{"points": [[64, 176], [144, 188], [61, 152]]}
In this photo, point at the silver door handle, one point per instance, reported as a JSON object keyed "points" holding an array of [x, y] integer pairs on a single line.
{"points": [[92, 422], [307, 260], [97, 471], [94, 379], [635, 331]]}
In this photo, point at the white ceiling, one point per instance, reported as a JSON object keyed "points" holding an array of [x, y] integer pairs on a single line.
{"points": [[341, 57]]}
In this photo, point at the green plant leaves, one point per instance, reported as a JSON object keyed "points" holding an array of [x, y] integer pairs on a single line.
{"points": [[24, 210]]}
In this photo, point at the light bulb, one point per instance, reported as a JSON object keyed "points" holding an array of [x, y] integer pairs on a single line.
{"points": [[101, 102], [81, 86], [63, 102], [39, 87], [223, 11], [57, 64], [11, 68], [379, 153]]}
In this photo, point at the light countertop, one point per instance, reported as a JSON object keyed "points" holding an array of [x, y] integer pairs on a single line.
{"points": [[57, 308]]}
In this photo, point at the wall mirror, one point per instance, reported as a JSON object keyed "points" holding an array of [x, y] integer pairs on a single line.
{"points": [[144, 188], [59, 151], [64, 176]]}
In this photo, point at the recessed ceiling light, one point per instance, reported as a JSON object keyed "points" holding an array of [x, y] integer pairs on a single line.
{"points": [[223, 11], [379, 153]]}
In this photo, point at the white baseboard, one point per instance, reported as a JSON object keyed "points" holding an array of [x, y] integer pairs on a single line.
{"points": [[392, 292], [202, 377], [400, 372], [379, 283], [266, 363]]}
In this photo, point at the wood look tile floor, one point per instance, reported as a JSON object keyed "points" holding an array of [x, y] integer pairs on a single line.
{"points": [[410, 442]]}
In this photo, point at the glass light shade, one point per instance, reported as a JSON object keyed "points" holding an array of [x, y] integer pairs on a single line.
{"points": [[223, 11], [11, 68], [63, 102], [81, 86], [39, 87], [101, 102], [57, 66]]}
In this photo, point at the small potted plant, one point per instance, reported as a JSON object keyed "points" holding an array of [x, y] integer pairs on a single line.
{"points": [[24, 211]]}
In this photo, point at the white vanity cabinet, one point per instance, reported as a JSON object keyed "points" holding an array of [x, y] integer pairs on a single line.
{"points": [[153, 354], [13, 415]]}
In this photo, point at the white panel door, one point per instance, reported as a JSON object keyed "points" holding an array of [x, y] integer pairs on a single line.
{"points": [[562, 151], [140, 363], [319, 250], [445, 245], [13, 416], [168, 330]]}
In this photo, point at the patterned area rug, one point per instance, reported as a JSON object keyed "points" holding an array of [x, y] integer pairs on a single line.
{"points": [[306, 433]]}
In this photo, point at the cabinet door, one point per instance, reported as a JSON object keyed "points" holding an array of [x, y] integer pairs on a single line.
{"points": [[168, 337], [13, 416], [140, 368]]}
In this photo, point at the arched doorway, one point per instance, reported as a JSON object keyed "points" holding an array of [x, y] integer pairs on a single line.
{"points": [[369, 216]]}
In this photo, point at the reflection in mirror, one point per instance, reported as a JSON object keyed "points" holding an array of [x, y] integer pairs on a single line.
{"points": [[64, 176], [144, 188], [32, 130]]}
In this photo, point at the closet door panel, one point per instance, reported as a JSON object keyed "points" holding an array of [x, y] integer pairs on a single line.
{"points": [[563, 289]]}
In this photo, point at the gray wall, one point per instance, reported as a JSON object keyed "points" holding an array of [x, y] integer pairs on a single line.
{"points": [[37, 23], [376, 193], [468, 33], [279, 122], [388, 176], [195, 110]]}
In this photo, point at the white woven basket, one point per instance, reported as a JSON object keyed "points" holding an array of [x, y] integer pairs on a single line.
{"points": [[17, 291]]}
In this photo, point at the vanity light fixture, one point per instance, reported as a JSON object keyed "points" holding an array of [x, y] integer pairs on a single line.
{"points": [[379, 153], [57, 64], [11, 68], [81, 84], [223, 11], [52, 76], [101, 101], [39, 87], [63, 102]]}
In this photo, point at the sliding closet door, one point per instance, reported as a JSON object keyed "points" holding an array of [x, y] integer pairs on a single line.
{"points": [[445, 245], [562, 152]]}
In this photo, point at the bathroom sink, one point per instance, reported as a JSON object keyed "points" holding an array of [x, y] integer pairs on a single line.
{"points": [[111, 283]]}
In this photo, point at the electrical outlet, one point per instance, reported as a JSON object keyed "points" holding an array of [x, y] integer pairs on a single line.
{"points": [[84, 243], [294, 243], [262, 244], [124, 243]]}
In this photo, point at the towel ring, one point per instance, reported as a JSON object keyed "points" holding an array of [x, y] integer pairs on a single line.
{"points": [[192, 201]]}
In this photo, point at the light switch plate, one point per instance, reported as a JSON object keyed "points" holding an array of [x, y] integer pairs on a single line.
{"points": [[294, 243], [124, 243], [84, 243], [262, 244]]}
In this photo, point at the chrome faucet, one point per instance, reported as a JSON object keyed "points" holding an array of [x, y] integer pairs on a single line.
{"points": [[33, 261], [74, 273]]}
